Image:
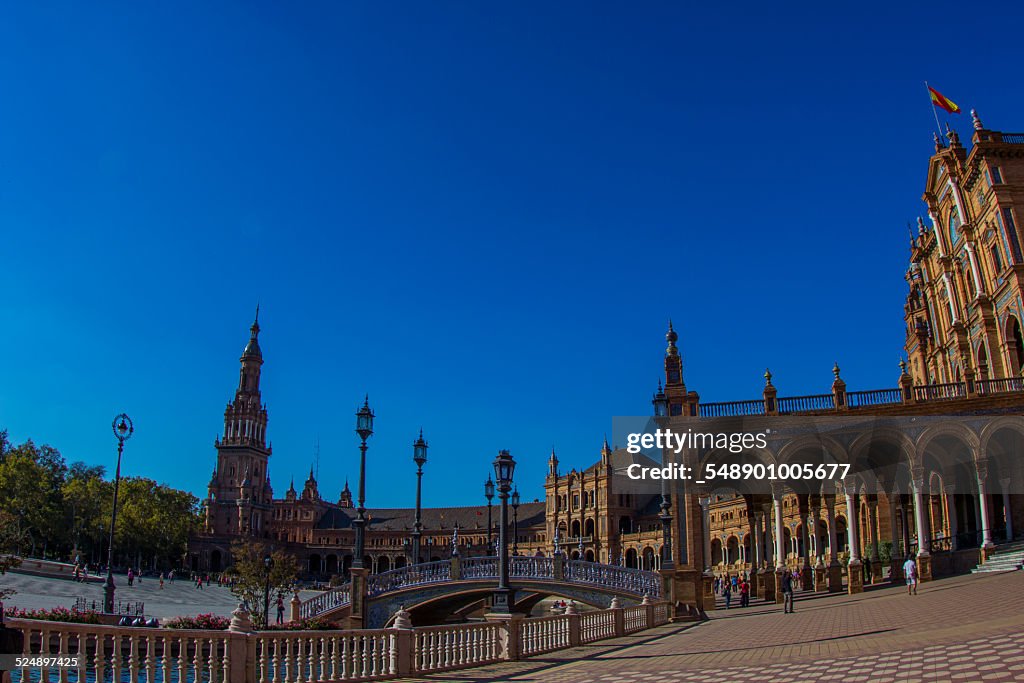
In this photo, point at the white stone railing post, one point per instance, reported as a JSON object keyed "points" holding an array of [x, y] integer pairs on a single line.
{"points": [[575, 638], [649, 614], [296, 608], [402, 650], [620, 619], [240, 648]]}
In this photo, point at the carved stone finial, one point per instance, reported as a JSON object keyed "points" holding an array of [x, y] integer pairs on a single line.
{"points": [[240, 621], [616, 603], [920, 226], [835, 369], [976, 119], [571, 608], [646, 600], [938, 142], [402, 619], [903, 367], [767, 377]]}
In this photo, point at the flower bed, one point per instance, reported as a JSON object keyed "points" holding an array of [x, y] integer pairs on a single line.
{"points": [[313, 624], [211, 622], [56, 614]]}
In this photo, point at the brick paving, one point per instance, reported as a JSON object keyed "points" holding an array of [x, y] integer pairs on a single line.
{"points": [[967, 628]]}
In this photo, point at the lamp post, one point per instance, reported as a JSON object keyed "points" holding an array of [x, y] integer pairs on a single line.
{"points": [[419, 456], [489, 495], [268, 564], [515, 521], [661, 408], [364, 428], [123, 430], [504, 467]]}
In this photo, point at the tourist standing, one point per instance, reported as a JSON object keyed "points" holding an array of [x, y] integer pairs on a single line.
{"points": [[131, 577], [787, 593], [280, 608], [744, 593], [727, 592], [910, 571]]}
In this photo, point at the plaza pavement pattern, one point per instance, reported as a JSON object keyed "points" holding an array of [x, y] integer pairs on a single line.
{"points": [[968, 628]]}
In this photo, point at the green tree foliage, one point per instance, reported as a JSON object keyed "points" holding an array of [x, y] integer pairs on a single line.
{"points": [[63, 512], [250, 576], [9, 539]]}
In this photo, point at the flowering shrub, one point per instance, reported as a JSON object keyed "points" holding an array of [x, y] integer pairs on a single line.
{"points": [[56, 614], [208, 622], [314, 624]]}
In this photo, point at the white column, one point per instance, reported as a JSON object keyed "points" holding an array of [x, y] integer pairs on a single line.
{"points": [[978, 287], [1007, 510], [769, 536], [806, 519], [780, 557], [705, 513], [873, 526], [986, 527], [920, 521], [758, 540], [852, 524], [897, 546], [830, 519], [948, 489]]}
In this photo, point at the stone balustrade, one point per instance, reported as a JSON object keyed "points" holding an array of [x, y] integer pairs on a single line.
{"points": [[240, 655]]}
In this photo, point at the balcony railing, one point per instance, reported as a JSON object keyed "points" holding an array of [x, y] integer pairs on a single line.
{"points": [[940, 392], [875, 397], [800, 404], [859, 400], [732, 408]]}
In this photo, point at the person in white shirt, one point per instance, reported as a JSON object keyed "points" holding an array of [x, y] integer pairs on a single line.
{"points": [[910, 571]]}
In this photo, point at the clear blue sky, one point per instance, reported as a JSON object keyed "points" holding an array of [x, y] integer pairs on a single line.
{"points": [[481, 214]]}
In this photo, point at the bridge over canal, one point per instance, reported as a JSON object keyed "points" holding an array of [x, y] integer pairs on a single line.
{"points": [[433, 590]]}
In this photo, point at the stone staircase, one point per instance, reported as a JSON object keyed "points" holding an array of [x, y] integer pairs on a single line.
{"points": [[1007, 558]]}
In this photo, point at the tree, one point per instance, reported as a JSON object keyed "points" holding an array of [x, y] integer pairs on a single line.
{"points": [[9, 538], [250, 574]]}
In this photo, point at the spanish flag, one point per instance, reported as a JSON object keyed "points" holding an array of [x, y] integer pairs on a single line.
{"points": [[939, 100]]}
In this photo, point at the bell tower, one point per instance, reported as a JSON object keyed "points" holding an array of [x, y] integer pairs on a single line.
{"points": [[240, 495]]}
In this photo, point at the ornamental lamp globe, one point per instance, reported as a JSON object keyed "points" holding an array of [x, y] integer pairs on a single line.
{"points": [[488, 488], [504, 466], [419, 450], [364, 420]]}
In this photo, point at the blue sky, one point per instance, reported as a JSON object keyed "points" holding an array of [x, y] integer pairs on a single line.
{"points": [[482, 214]]}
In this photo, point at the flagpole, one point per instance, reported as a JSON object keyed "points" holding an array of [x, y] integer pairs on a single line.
{"points": [[938, 126]]}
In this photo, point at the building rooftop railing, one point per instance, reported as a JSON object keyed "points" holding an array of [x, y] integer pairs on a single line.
{"points": [[842, 401]]}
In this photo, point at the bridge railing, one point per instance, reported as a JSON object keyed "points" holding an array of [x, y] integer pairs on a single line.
{"points": [[635, 581], [532, 568], [410, 575], [326, 601], [239, 655]]}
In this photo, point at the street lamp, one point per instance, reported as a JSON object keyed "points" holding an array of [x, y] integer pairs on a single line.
{"points": [[661, 409], [268, 564], [123, 429], [364, 428], [504, 466], [515, 521], [419, 456], [489, 495]]}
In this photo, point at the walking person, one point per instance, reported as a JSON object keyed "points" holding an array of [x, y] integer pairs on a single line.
{"points": [[787, 593], [280, 608], [131, 577], [161, 580], [727, 592], [910, 571]]}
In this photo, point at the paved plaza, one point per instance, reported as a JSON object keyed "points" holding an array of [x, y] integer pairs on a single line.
{"points": [[968, 628]]}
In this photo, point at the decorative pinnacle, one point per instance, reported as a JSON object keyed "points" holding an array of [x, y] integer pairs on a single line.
{"points": [[903, 366], [767, 377], [976, 119], [938, 142], [835, 369], [920, 225]]}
